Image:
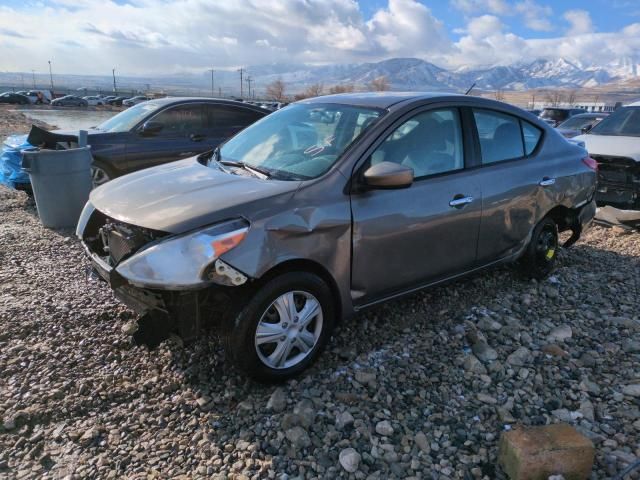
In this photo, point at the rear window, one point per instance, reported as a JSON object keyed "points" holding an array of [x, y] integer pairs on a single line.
{"points": [[531, 135], [623, 122], [555, 114], [229, 116]]}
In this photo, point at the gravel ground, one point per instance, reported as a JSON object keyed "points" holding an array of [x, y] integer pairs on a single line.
{"points": [[419, 387]]}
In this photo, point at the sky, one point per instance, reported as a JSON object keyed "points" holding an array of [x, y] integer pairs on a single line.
{"points": [[144, 37]]}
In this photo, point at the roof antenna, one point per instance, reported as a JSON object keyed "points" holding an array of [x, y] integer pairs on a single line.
{"points": [[470, 88]]}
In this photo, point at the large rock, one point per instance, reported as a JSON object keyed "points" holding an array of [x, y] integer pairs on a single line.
{"points": [[560, 334], [484, 352], [384, 428], [349, 460], [632, 390], [278, 401], [520, 358], [536, 453], [298, 437]]}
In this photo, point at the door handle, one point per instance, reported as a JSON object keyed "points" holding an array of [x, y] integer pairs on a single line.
{"points": [[546, 182], [196, 137], [459, 201]]}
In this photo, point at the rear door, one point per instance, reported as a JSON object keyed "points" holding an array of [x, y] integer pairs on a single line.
{"points": [[183, 129], [224, 121], [512, 174], [407, 237]]}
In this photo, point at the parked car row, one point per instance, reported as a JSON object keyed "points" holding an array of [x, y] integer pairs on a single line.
{"points": [[318, 210]]}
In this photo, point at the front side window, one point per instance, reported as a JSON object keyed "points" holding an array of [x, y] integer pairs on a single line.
{"points": [[181, 120], [429, 143], [301, 141], [500, 136]]}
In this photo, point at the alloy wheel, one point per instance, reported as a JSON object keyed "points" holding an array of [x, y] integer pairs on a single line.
{"points": [[99, 176], [289, 330]]}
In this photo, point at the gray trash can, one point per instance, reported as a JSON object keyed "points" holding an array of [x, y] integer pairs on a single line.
{"points": [[61, 182]]}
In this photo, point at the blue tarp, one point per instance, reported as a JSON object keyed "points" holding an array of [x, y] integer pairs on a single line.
{"points": [[11, 173]]}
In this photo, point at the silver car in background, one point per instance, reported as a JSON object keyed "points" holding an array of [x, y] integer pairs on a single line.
{"points": [[329, 206]]}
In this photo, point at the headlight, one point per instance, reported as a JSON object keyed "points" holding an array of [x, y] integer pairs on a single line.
{"points": [[84, 218], [180, 262]]}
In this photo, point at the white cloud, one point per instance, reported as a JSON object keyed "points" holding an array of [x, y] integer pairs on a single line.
{"points": [[535, 16], [494, 7], [580, 21], [154, 36]]}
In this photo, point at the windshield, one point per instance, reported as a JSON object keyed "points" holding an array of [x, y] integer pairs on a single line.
{"points": [[623, 122], [576, 123], [125, 121], [555, 114], [301, 141]]}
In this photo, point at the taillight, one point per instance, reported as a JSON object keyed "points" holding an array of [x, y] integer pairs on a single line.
{"points": [[591, 163]]}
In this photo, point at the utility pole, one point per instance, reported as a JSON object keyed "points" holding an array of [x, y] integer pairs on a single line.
{"points": [[51, 77], [220, 92], [241, 70], [115, 88], [212, 94], [22, 76], [33, 76], [249, 79]]}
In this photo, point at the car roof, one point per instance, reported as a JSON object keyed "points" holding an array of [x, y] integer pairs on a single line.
{"points": [[180, 100], [379, 99], [591, 115]]}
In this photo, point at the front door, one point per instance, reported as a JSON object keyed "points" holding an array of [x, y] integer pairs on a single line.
{"points": [[182, 134], [405, 238]]}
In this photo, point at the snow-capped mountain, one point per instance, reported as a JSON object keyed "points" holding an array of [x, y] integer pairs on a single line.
{"points": [[416, 74]]}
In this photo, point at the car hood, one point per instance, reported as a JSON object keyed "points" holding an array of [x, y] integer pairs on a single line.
{"points": [[184, 195], [613, 145]]}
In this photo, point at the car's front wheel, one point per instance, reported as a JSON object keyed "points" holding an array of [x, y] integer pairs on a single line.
{"points": [[283, 327], [539, 259]]}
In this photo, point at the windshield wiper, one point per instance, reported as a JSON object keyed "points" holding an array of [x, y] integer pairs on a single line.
{"points": [[259, 171]]}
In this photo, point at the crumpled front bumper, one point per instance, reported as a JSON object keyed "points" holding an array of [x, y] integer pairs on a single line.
{"points": [[182, 310]]}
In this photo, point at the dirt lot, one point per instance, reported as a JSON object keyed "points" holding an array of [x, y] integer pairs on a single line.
{"points": [[419, 387], [12, 122]]}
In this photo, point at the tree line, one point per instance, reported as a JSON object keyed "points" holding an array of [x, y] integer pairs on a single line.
{"points": [[277, 90]]}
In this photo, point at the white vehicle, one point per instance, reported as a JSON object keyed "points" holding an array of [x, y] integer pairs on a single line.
{"points": [[39, 96], [94, 100], [135, 100], [615, 144]]}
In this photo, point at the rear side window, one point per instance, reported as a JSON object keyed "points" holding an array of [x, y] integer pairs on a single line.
{"points": [[531, 135], [229, 116], [500, 136]]}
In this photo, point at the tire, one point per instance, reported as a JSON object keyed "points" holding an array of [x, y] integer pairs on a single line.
{"points": [[259, 359], [539, 259], [101, 173]]}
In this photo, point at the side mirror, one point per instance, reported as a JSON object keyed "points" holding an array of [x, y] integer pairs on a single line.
{"points": [[586, 129], [388, 175], [151, 128]]}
